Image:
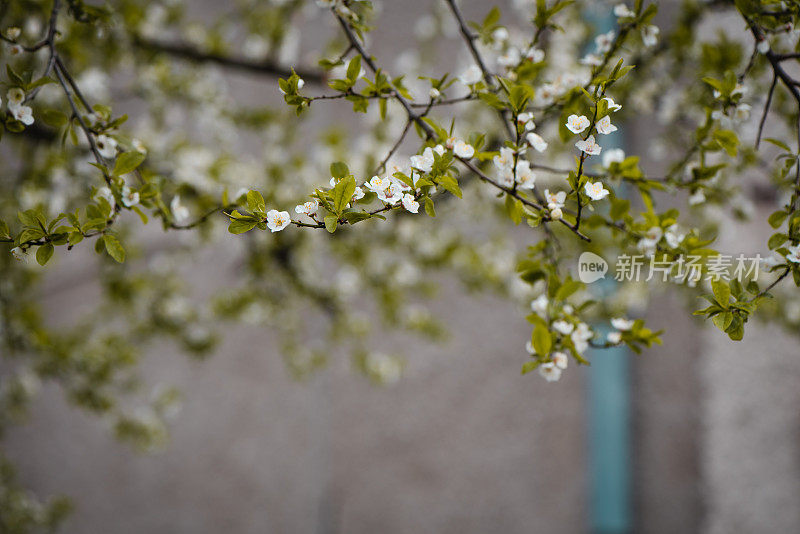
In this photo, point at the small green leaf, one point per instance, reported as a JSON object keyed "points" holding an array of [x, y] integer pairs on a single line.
{"points": [[542, 340], [114, 248], [339, 170], [331, 221], [429, 209], [354, 68], [44, 253], [240, 226], [722, 292], [527, 367], [255, 202], [343, 193], [127, 162]]}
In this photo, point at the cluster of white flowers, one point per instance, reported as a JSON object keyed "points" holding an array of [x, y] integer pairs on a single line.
{"points": [[674, 236], [621, 325], [510, 173], [511, 55], [736, 114], [578, 332], [17, 107]]}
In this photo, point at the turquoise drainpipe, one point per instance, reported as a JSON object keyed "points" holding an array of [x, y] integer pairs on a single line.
{"points": [[609, 400]]}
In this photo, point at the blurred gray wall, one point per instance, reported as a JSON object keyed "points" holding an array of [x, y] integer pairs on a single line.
{"points": [[461, 444]]}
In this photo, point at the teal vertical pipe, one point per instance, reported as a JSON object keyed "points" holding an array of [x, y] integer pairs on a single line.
{"points": [[609, 404], [609, 441]]}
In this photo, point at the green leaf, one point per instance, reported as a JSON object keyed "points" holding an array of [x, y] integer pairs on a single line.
{"points": [[343, 193], [44, 253], [114, 248], [255, 202], [514, 209], [450, 184], [339, 170], [127, 162], [354, 68], [728, 141], [527, 367], [429, 209], [331, 221], [240, 226], [53, 117], [542, 340], [777, 218], [777, 240], [4, 233], [722, 292]]}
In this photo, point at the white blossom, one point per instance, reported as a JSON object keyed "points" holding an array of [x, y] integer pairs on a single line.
{"points": [[589, 146], [23, 114], [592, 60], [309, 208], [576, 124], [650, 240], [471, 76], [106, 146], [623, 11], [423, 162], [539, 304], [563, 327], [129, 197], [536, 141], [674, 236], [13, 32], [16, 97], [391, 194], [614, 337], [650, 35], [621, 323], [278, 220], [534, 55], [763, 46], [505, 160], [613, 155], [105, 192], [604, 126], [698, 197], [500, 35], [510, 58], [527, 120], [179, 212], [605, 41], [581, 336], [410, 204], [772, 261], [550, 372], [613, 106], [555, 201], [794, 254], [434, 93], [529, 348], [560, 360], [595, 190], [378, 183], [463, 149], [525, 177], [20, 254]]}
